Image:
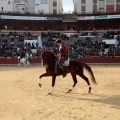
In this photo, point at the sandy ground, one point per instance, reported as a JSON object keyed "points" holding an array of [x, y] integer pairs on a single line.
{"points": [[22, 99]]}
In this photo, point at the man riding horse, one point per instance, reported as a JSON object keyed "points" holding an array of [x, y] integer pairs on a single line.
{"points": [[21, 55], [63, 55], [28, 56]]}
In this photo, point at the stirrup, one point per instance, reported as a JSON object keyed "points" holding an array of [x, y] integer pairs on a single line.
{"points": [[64, 75]]}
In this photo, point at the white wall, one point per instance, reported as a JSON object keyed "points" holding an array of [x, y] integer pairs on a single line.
{"points": [[89, 6], [78, 5], [6, 6], [111, 42], [30, 6], [44, 7]]}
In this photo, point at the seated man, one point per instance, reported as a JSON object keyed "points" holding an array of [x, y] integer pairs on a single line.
{"points": [[63, 53]]}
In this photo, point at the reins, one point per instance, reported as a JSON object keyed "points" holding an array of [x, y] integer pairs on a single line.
{"points": [[53, 62]]}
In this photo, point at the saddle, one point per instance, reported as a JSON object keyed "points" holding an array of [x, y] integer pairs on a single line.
{"points": [[67, 62]]}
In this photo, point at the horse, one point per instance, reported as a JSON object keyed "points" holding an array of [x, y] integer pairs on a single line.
{"points": [[24, 61], [75, 68]]}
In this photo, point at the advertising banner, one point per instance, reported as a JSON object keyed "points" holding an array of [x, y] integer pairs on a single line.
{"points": [[54, 18], [98, 17], [22, 17]]}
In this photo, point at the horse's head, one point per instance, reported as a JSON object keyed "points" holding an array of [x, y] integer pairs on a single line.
{"points": [[47, 57], [44, 58]]}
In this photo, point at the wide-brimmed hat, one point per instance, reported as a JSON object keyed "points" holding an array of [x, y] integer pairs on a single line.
{"points": [[58, 41]]}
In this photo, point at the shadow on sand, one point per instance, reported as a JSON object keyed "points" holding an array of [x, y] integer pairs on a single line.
{"points": [[113, 101]]}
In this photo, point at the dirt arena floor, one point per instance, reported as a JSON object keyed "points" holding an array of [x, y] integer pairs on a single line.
{"points": [[22, 99]]}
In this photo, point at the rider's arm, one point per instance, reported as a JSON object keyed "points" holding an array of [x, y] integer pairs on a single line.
{"points": [[64, 51]]}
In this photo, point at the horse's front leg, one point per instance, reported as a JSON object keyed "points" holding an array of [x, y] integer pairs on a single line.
{"points": [[18, 64], [43, 75], [25, 65], [53, 84]]}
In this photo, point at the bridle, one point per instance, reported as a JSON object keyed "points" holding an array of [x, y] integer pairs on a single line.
{"points": [[44, 60]]}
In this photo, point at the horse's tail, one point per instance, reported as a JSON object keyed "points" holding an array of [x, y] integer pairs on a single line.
{"points": [[90, 72]]}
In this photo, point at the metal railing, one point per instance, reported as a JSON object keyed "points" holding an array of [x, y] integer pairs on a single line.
{"points": [[48, 14]]}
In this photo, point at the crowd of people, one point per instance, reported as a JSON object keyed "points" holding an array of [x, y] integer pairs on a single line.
{"points": [[52, 36], [84, 48], [12, 44], [89, 48]]}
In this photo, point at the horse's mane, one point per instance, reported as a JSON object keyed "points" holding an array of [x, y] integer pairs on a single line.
{"points": [[50, 52]]}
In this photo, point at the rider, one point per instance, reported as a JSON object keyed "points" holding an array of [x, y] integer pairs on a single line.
{"points": [[18, 54], [29, 56], [63, 52], [22, 54]]}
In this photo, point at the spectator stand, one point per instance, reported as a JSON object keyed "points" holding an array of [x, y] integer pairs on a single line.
{"points": [[85, 46]]}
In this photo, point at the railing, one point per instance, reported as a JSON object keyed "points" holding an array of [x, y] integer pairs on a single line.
{"points": [[93, 60], [48, 14]]}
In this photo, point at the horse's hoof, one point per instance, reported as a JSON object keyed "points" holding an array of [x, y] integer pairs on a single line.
{"points": [[40, 85], [89, 91], [69, 91], [49, 93]]}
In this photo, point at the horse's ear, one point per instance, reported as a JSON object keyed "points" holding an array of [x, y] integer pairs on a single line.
{"points": [[41, 51]]}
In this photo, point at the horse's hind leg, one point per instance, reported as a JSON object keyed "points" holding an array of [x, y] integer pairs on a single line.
{"points": [[28, 63], [75, 82], [25, 65], [86, 79]]}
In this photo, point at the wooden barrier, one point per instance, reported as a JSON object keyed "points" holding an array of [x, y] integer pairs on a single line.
{"points": [[94, 59], [15, 61]]}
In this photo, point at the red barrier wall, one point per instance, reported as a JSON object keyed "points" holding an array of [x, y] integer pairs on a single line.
{"points": [[85, 60], [15, 61], [100, 60]]}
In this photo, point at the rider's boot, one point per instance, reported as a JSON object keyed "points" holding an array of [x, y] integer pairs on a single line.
{"points": [[64, 73]]}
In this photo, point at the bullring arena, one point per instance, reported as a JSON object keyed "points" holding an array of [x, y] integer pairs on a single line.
{"points": [[22, 99]]}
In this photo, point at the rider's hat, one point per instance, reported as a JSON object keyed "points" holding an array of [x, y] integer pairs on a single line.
{"points": [[58, 41]]}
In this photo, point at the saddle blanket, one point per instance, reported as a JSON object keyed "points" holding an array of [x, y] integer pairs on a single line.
{"points": [[67, 62]]}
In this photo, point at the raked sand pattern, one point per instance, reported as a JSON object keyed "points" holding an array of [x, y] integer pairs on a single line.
{"points": [[22, 99]]}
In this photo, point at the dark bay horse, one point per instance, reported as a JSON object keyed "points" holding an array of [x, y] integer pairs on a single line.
{"points": [[75, 68]]}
